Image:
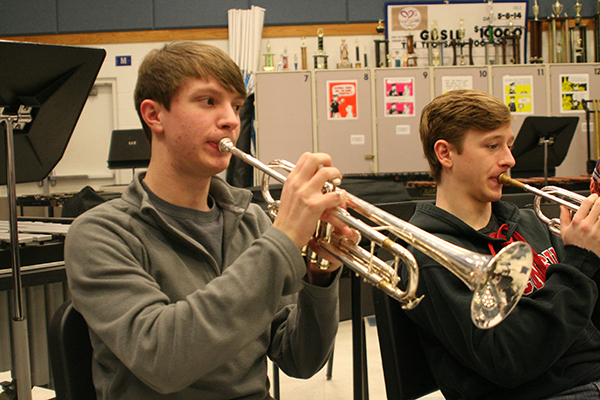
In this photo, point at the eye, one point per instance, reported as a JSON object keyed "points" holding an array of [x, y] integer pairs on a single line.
{"points": [[207, 100]]}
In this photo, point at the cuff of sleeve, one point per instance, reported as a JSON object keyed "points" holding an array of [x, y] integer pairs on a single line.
{"points": [[325, 290], [586, 261]]}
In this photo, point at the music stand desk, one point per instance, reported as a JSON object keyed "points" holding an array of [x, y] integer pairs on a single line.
{"points": [[542, 144]]}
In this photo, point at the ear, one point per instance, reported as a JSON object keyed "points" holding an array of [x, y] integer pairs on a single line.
{"points": [[150, 111], [444, 152]]}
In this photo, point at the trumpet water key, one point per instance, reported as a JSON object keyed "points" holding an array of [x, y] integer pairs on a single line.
{"points": [[556, 194], [497, 282]]}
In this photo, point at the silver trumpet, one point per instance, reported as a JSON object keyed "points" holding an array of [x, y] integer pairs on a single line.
{"points": [[556, 194], [497, 282]]}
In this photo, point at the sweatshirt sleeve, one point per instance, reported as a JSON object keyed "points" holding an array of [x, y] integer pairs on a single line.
{"points": [[309, 330], [130, 313], [530, 340]]}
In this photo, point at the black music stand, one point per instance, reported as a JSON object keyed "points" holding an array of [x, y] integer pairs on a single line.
{"points": [[129, 148], [43, 89], [542, 145]]}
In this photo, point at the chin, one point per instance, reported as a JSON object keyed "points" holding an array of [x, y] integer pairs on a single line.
{"points": [[496, 196]]}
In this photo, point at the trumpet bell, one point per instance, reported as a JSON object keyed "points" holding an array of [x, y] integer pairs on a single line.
{"points": [[497, 295]]}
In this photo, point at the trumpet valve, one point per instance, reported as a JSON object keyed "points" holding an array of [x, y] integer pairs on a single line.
{"points": [[324, 264], [331, 185]]}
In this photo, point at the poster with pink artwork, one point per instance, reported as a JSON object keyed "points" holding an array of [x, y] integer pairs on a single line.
{"points": [[399, 97]]}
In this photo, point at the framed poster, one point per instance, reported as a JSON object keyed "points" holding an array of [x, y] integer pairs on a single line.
{"points": [[518, 93], [399, 96], [573, 89], [342, 101], [469, 25]]}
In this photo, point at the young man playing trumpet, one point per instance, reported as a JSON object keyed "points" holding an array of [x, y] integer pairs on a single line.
{"points": [[185, 285], [547, 348]]}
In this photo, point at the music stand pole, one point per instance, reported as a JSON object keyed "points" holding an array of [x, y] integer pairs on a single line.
{"points": [[546, 141], [545, 163], [21, 368]]}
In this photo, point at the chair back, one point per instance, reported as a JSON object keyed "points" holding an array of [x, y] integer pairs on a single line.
{"points": [[405, 369], [70, 355]]}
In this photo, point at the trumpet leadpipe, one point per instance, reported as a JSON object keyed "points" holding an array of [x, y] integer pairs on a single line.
{"points": [[546, 192]]}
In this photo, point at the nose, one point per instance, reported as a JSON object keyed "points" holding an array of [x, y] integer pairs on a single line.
{"points": [[508, 159], [229, 118]]}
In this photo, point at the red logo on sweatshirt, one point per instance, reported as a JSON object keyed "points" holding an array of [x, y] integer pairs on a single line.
{"points": [[541, 262]]}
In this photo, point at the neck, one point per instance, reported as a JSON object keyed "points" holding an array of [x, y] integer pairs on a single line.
{"points": [[474, 213], [189, 192]]}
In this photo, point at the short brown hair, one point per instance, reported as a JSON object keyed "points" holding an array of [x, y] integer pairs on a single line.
{"points": [[449, 117], [164, 71]]}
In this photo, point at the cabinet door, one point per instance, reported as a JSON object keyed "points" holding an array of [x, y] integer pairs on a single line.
{"points": [[400, 96], [344, 118]]}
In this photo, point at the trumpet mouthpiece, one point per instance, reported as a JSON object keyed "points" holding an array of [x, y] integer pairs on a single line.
{"points": [[504, 179], [225, 145]]}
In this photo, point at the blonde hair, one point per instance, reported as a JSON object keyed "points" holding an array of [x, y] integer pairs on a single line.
{"points": [[452, 114], [164, 71]]}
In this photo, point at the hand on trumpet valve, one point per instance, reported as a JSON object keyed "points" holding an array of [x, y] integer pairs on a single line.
{"points": [[302, 201], [582, 229], [321, 263]]}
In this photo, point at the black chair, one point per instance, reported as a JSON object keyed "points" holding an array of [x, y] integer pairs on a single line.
{"points": [[70, 355], [405, 369]]}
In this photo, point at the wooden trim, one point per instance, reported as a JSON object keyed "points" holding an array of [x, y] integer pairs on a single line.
{"points": [[192, 34], [212, 33]]}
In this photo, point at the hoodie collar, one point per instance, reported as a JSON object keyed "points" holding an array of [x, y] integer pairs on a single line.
{"points": [[438, 221]]}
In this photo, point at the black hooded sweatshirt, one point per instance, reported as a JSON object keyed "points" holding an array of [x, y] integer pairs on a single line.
{"points": [[548, 344]]}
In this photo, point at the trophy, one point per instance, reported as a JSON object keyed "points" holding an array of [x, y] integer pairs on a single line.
{"points": [[578, 38], [511, 40], [320, 58], [491, 46], [459, 44], [285, 59], [344, 56], [269, 65], [557, 35], [304, 60], [378, 42], [357, 64], [435, 47], [536, 36], [411, 57], [397, 60]]}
